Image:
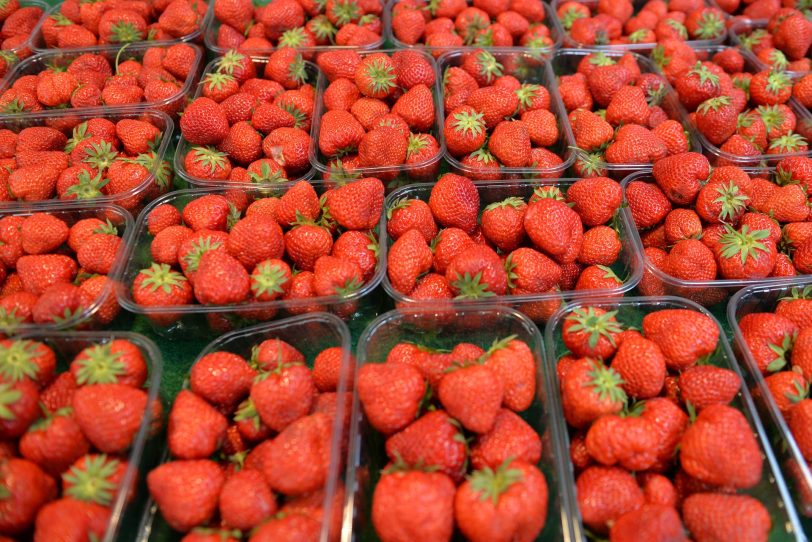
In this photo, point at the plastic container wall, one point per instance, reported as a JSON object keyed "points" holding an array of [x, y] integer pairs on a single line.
{"points": [[771, 490], [438, 327]]}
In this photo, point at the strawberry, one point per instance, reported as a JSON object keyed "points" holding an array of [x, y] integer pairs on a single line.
{"points": [[386, 411], [21, 359], [28, 489], [641, 365], [716, 119], [287, 527], [606, 494], [668, 327], [510, 143], [19, 403], [71, 517], [701, 518], [464, 130], [511, 437], [195, 429], [489, 510], [209, 286], [204, 122], [634, 449], [431, 441], [651, 521], [246, 500], [94, 478], [475, 272], [186, 492], [110, 414], [454, 201], [116, 362], [502, 223], [590, 390], [459, 386], [704, 385], [395, 514], [798, 420], [221, 378], [555, 228], [680, 176]]}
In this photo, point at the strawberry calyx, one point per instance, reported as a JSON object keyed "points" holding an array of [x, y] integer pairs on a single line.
{"points": [[548, 192], [710, 25], [781, 351], [704, 74], [468, 123], [17, 361], [800, 391], [713, 104], [100, 155], [514, 202], [299, 116], [91, 483], [790, 142], [492, 483], [754, 38], [798, 293], [659, 57], [268, 279], [778, 60], [48, 417], [499, 344], [60, 20], [373, 245], [772, 116], [199, 248], [223, 534], [230, 61], [295, 37], [322, 28], [217, 80], [9, 320], [233, 216], [606, 383], [399, 465], [160, 169], [471, 287], [733, 202], [8, 57], [100, 366], [777, 81], [397, 205], [745, 243], [569, 16], [14, 106], [638, 35], [297, 71], [8, 396], [161, 276], [596, 325], [124, 32], [265, 175], [608, 273], [247, 412], [381, 75], [340, 174], [633, 410], [679, 27], [79, 134], [526, 94], [417, 144], [350, 287], [489, 67], [345, 12], [590, 163], [601, 59], [484, 39], [742, 83], [473, 28], [87, 187]]}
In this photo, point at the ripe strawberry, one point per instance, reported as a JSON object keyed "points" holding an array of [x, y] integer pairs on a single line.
{"points": [[635, 448], [254, 239], [287, 527], [110, 414], [204, 122], [590, 390], [555, 228], [186, 492], [705, 385], [116, 362], [454, 201], [19, 401], [246, 500], [386, 410], [459, 386], [510, 143], [196, 430], [671, 326], [395, 515], [680, 176], [702, 518], [768, 337], [650, 521], [221, 378], [511, 437], [641, 365], [475, 272], [209, 284], [464, 131], [431, 441], [605, 494], [28, 489]]}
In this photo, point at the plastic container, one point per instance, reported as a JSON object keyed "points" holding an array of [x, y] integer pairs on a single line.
{"points": [[38, 41], [636, 47], [771, 490], [565, 62], [719, 157], [145, 449], [26, 48], [212, 28], [61, 58], [763, 298], [480, 325], [707, 293], [528, 67], [198, 320], [66, 121], [70, 214], [550, 21], [629, 265], [320, 162], [314, 76], [743, 26], [310, 334]]}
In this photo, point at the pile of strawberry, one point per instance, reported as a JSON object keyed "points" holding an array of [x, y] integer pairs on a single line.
{"points": [[251, 445], [618, 22], [741, 113], [755, 11], [53, 270], [226, 249], [653, 438], [97, 80], [493, 120], [101, 158], [702, 225], [16, 24], [64, 437], [484, 23], [616, 115], [248, 128], [378, 112], [558, 240], [783, 43], [780, 343], [297, 23], [461, 456], [80, 24]]}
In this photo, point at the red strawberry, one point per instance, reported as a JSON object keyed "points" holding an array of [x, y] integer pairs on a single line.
{"points": [[680, 176], [186, 492], [110, 414], [670, 329], [458, 388], [590, 390], [196, 430], [454, 201], [701, 512], [605, 494], [641, 365], [433, 440], [19, 403], [204, 122], [390, 394], [627, 441], [221, 378], [283, 395]]}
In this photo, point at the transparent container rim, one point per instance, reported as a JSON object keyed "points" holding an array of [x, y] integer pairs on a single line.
{"points": [[741, 25], [130, 272], [751, 366], [83, 115], [101, 110], [552, 405], [635, 268], [551, 360], [184, 146], [569, 43], [155, 363], [437, 93], [38, 39], [223, 343], [646, 66], [751, 65], [213, 26], [662, 275], [116, 271], [550, 21], [556, 107]]}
